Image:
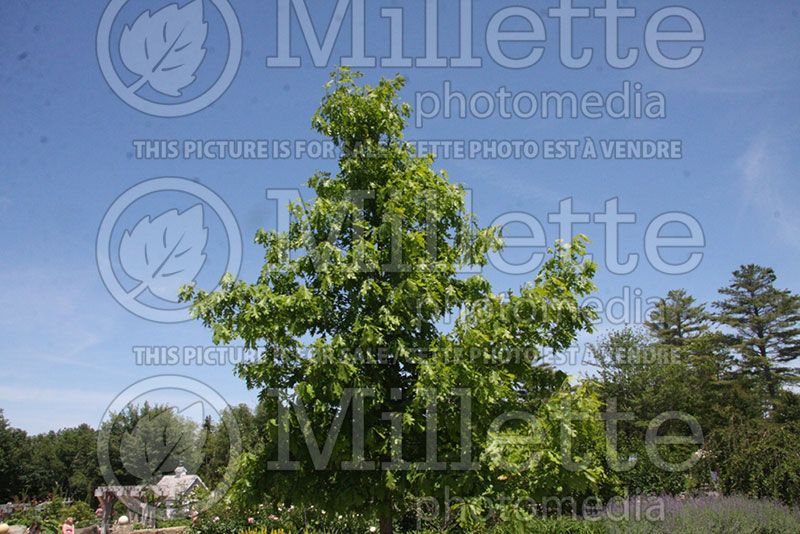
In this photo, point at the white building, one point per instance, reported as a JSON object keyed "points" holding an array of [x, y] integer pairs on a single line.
{"points": [[175, 489], [173, 497]]}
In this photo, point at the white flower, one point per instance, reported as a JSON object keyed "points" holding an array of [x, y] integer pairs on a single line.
{"points": [[373, 529]]}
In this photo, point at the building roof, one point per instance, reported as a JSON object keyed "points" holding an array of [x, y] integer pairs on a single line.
{"points": [[179, 483]]}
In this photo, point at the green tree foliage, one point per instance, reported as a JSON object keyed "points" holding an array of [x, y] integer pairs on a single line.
{"points": [[787, 407], [766, 325], [62, 463], [622, 361], [13, 457], [353, 296], [759, 459], [216, 450], [731, 378], [641, 379], [676, 319], [697, 358], [145, 442], [148, 441]]}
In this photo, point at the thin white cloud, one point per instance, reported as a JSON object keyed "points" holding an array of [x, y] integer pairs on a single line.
{"points": [[47, 316], [764, 186]]}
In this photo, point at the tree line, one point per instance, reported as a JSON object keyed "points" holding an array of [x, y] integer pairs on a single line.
{"points": [[731, 366], [145, 442]]}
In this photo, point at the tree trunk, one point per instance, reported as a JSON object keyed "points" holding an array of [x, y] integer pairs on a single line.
{"points": [[108, 509], [386, 523]]}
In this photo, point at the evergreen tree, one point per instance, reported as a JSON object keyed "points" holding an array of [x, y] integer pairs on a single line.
{"points": [[677, 318], [766, 325], [682, 332]]}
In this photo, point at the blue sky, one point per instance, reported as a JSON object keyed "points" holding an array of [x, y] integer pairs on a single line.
{"points": [[67, 153]]}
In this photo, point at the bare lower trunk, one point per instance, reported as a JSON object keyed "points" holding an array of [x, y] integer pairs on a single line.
{"points": [[106, 528], [386, 524]]}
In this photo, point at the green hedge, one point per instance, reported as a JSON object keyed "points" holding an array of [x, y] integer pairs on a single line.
{"points": [[759, 459]]}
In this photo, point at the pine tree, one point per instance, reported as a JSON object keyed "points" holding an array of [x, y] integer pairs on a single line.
{"points": [[766, 324], [677, 318]]}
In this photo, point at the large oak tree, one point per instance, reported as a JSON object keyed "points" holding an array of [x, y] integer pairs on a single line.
{"points": [[354, 298]]}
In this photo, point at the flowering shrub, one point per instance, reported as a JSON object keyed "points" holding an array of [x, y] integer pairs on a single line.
{"points": [[733, 514], [635, 515], [719, 515], [53, 513], [277, 519], [225, 524]]}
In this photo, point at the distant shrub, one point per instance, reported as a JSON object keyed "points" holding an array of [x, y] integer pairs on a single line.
{"points": [[224, 524], [646, 478], [759, 459], [178, 522], [733, 514], [562, 526], [717, 515]]}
